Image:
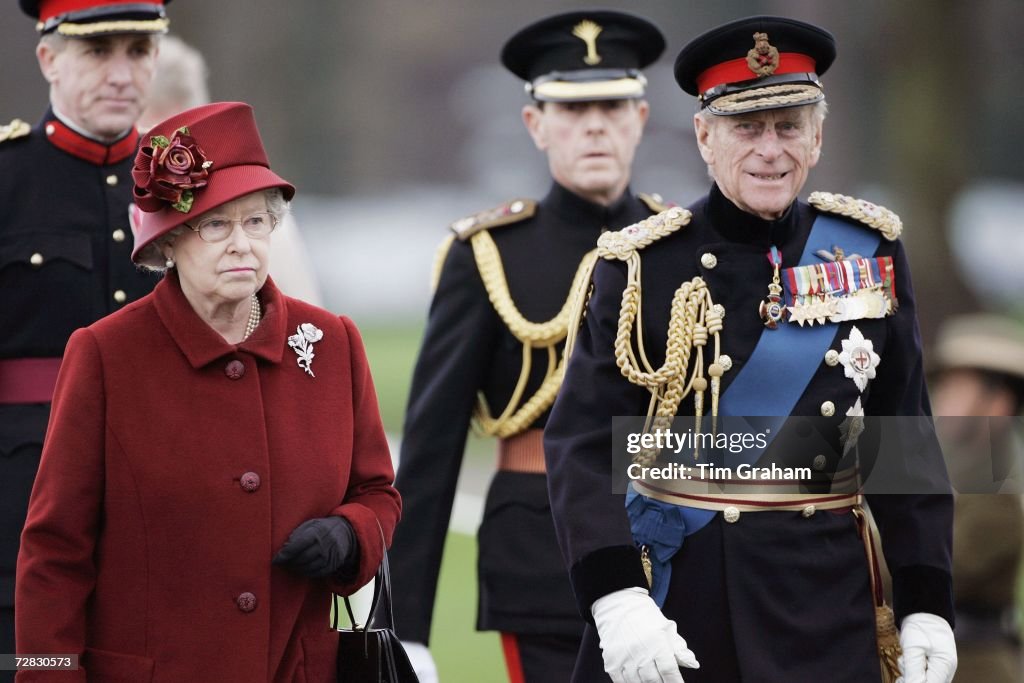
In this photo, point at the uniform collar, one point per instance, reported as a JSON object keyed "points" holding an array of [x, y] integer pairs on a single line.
{"points": [[576, 210], [64, 137], [737, 225], [201, 344]]}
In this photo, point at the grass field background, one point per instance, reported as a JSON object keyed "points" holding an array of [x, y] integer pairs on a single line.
{"points": [[461, 653]]}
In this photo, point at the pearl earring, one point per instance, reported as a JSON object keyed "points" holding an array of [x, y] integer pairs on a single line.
{"points": [[169, 263]]}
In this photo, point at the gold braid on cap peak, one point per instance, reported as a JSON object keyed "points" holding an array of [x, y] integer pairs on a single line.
{"points": [[73, 30], [694, 320], [518, 415], [872, 215]]}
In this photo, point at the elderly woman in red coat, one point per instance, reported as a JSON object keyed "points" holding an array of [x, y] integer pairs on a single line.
{"points": [[215, 464]]}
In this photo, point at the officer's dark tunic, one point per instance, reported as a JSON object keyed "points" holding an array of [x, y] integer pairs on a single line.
{"points": [[524, 587], [65, 262], [775, 596]]}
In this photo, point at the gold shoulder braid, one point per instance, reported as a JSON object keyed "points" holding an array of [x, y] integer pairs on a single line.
{"points": [[878, 217], [15, 129], [518, 415], [694, 320], [464, 228], [654, 202], [509, 212], [439, 258]]}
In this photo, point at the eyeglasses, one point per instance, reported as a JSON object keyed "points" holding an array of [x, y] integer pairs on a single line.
{"points": [[219, 228]]}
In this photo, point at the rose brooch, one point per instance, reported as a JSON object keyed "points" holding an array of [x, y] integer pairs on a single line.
{"points": [[168, 170]]}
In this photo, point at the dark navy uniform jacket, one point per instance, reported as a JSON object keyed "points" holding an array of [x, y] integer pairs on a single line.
{"points": [[776, 595], [524, 586], [65, 262]]}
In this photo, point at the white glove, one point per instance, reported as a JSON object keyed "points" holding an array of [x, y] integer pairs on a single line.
{"points": [[929, 651], [638, 643], [421, 660]]}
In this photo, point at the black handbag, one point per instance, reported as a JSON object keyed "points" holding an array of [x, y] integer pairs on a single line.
{"points": [[373, 653]]}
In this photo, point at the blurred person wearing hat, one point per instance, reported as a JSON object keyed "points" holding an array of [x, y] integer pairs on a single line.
{"points": [[215, 464], [65, 239], [978, 380], [492, 350], [755, 303]]}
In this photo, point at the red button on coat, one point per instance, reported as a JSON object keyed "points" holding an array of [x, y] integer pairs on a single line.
{"points": [[250, 481], [246, 602], [235, 369]]}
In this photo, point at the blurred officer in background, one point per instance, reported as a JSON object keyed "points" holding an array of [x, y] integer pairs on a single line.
{"points": [[65, 239], [754, 304], [979, 373], [492, 350]]}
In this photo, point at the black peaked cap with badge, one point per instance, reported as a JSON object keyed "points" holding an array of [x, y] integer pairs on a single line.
{"points": [[86, 18], [584, 55], [756, 63]]}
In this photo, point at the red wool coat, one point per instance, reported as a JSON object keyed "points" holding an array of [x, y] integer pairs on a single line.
{"points": [[175, 467]]}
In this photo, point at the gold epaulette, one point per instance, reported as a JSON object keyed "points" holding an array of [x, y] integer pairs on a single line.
{"points": [[871, 215], [654, 202], [440, 256], [15, 129], [509, 212], [620, 244]]}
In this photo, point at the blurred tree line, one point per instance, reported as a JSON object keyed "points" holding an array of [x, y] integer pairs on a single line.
{"points": [[371, 97]]}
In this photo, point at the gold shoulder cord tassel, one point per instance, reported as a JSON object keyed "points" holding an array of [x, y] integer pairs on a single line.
{"points": [[693, 321], [889, 650], [519, 414]]}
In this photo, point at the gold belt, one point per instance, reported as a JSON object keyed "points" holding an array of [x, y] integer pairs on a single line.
{"points": [[753, 496], [523, 452]]}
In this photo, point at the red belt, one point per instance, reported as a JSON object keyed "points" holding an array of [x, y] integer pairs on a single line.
{"points": [[523, 452], [28, 380]]}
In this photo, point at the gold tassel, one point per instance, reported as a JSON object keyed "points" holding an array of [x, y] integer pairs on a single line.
{"points": [[886, 633], [645, 560], [889, 649]]}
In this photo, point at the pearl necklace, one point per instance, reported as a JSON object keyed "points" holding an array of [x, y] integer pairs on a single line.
{"points": [[254, 316]]}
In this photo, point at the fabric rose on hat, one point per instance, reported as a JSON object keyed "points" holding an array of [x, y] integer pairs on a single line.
{"points": [[168, 170]]}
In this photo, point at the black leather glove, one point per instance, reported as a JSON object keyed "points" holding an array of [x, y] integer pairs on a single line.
{"points": [[321, 547]]}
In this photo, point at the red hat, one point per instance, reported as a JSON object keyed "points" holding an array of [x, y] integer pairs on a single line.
{"points": [[195, 161], [83, 18]]}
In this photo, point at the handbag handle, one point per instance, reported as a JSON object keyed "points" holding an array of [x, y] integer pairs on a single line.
{"points": [[381, 597]]}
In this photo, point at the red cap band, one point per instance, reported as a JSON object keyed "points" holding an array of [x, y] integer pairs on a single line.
{"points": [[736, 70], [55, 8]]}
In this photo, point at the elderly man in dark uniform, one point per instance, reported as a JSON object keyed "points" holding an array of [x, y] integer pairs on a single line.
{"points": [[754, 304], [65, 237], [493, 344]]}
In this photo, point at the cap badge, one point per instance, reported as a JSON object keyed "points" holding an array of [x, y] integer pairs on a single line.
{"points": [[763, 58], [587, 31]]}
